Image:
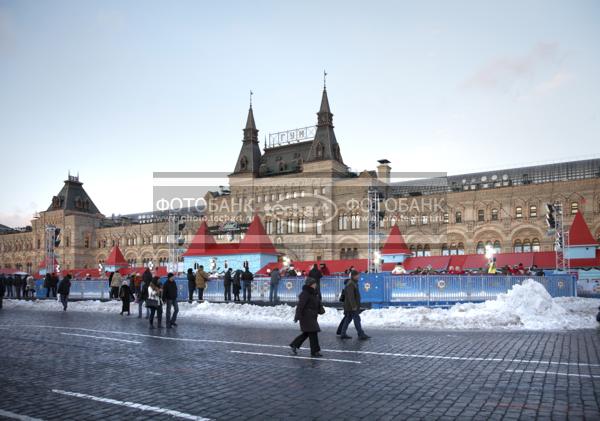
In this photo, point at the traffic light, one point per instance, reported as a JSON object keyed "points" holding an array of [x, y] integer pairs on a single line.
{"points": [[181, 226], [550, 219], [56, 237]]}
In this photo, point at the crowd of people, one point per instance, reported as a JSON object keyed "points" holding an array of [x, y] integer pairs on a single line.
{"points": [[491, 269]]}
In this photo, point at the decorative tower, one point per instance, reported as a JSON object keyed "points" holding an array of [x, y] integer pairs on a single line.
{"points": [[325, 145], [249, 159]]}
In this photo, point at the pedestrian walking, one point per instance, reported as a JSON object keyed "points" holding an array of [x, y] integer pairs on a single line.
{"points": [[125, 295], [227, 281], [247, 278], [307, 311], [170, 297], [115, 284], [201, 281], [346, 315], [64, 289], [191, 284], [274, 287], [237, 285], [154, 301], [352, 307], [143, 295], [19, 285]]}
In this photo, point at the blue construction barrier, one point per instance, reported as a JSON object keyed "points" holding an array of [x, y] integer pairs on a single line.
{"points": [[377, 289]]}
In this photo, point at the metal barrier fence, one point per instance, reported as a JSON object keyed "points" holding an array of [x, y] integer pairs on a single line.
{"points": [[380, 289]]}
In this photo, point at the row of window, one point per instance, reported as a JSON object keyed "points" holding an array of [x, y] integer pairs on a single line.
{"points": [[481, 217], [290, 226]]}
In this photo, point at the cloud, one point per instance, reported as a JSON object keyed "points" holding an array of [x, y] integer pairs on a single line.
{"points": [[505, 73], [558, 79]]}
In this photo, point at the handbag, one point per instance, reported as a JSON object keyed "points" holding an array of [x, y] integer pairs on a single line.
{"points": [[151, 303]]}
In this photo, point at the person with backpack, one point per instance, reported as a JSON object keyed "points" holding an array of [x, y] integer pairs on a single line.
{"points": [[307, 311], [125, 295], [227, 280], [64, 289], [352, 307], [170, 297], [237, 285], [191, 284], [247, 278]]}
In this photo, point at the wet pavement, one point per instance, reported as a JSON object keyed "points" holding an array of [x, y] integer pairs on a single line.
{"points": [[77, 365]]}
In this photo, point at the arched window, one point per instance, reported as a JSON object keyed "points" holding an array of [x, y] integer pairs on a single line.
{"points": [[518, 247], [526, 246], [518, 212], [342, 254], [412, 251], [494, 214], [497, 247], [480, 248], [480, 215], [419, 250], [458, 217], [319, 227], [535, 245], [445, 251], [426, 250], [533, 211], [460, 249], [574, 208]]}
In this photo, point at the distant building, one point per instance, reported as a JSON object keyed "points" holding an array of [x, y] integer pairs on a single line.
{"points": [[312, 207]]}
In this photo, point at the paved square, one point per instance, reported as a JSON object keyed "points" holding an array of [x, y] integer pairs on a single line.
{"points": [[77, 365]]}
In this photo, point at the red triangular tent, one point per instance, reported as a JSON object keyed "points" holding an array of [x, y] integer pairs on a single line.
{"points": [[579, 233], [115, 258], [256, 239], [395, 243], [202, 242]]}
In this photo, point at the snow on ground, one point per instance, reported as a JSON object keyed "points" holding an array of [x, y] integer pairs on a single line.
{"points": [[524, 307]]}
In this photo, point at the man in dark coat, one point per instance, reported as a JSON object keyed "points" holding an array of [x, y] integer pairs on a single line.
{"points": [[316, 274], [191, 278], [247, 278], [144, 295], [64, 289], [274, 287], [227, 281], [352, 307], [54, 284], [170, 297], [237, 284], [308, 309]]}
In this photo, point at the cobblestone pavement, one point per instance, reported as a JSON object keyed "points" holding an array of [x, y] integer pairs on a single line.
{"points": [[77, 365]]}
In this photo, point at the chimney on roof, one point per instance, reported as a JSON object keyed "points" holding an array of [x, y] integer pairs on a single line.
{"points": [[383, 171]]}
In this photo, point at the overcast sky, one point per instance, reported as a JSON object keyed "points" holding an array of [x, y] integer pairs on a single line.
{"points": [[115, 90]]}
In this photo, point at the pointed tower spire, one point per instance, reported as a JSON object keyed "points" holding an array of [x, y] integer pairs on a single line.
{"points": [[250, 156], [324, 145]]}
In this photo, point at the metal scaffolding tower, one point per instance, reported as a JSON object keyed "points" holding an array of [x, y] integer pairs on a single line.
{"points": [[561, 240], [175, 240], [50, 240], [373, 230]]}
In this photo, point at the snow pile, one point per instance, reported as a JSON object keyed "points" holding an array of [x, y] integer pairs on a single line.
{"points": [[524, 307]]}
